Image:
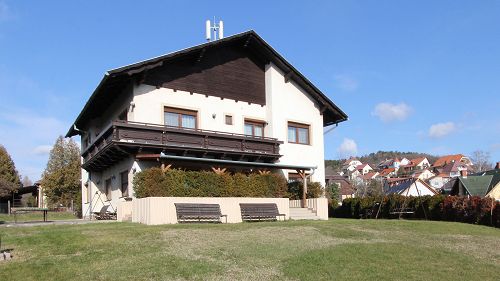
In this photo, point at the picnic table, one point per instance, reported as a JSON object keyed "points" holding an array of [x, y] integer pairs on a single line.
{"points": [[22, 210]]}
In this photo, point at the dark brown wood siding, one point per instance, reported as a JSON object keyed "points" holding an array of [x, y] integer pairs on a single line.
{"points": [[227, 72]]}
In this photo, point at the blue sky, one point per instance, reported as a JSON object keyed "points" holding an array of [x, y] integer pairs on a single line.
{"points": [[412, 75]]}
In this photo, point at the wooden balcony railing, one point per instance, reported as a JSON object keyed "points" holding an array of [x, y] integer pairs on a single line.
{"points": [[166, 138]]}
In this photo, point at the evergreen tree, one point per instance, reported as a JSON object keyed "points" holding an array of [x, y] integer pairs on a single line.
{"points": [[61, 178], [9, 178]]}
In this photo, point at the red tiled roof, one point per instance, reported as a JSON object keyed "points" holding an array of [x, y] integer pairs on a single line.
{"points": [[447, 159], [387, 171], [417, 160], [368, 176]]}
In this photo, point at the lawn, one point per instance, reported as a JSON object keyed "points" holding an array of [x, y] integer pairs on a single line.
{"points": [[37, 216], [307, 250]]}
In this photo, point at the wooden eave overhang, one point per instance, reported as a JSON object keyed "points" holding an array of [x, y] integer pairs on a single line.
{"points": [[114, 81]]}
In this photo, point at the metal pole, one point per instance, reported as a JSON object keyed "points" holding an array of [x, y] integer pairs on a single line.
{"points": [[8, 207], [304, 192]]}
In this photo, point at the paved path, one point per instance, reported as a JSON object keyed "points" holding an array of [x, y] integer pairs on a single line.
{"points": [[57, 222]]}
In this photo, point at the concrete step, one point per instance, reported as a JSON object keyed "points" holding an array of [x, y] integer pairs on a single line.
{"points": [[302, 214]]}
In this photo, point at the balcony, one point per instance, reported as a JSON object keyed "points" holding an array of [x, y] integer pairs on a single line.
{"points": [[123, 138]]}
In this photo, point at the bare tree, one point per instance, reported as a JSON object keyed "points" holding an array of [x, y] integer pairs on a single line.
{"points": [[481, 160], [26, 181]]}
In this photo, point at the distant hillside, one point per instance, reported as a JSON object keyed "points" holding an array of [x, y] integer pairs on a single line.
{"points": [[374, 158]]}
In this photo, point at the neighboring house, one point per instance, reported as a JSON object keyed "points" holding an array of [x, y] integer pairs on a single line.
{"points": [[444, 160], [346, 190], [446, 173], [423, 174], [355, 174], [479, 184], [404, 161], [439, 181], [387, 173], [453, 169], [364, 169], [410, 187], [234, 103], [389, 163], [472, 186], [370, 176], [350, 165], [420, 163], [494, 192]]}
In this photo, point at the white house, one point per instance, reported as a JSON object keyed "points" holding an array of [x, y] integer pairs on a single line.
{"points": [[233, 103], [423, 174], [364, 169], [411, 187]]}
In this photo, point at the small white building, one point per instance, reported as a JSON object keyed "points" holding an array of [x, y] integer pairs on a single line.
{"points": [[424, 174], [411, 187], [364, 169]]}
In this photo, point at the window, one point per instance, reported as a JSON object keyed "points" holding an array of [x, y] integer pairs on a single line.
{"points": [[108, 189], [254, 128], [181, 118], [229, 120], [124, 183], [298, 133]]}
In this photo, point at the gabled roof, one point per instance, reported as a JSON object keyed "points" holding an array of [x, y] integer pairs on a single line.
{"points": [[455, 166], [447, 159], [369, 176], [115, 80], [346, 187], [417, 161], [362, 166], [403, 185], [495, 173], [477, 185], [348, 161], [386, 172]]}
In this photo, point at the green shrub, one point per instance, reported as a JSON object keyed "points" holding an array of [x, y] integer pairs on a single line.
{"points": [[474, 210], [295, 189], [155, 182]]}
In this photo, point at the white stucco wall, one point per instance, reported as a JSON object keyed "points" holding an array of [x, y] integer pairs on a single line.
{"points": [[285, 102], [161, 210], [417, 189], [96, 183]]}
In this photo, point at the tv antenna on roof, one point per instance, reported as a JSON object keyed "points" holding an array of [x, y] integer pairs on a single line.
{"points": [[216, 29]]}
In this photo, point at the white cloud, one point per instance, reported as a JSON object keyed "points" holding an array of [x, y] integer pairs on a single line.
{"points": [[42, 149], [440, 130], [348, 148], [346, 82], [388, 112]]}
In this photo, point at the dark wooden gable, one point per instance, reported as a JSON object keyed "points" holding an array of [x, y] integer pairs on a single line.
{"points": [[223, 71]]}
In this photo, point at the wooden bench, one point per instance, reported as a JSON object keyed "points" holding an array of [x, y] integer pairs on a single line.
{"points": [[189, 212], [22, 210], [399, 211], [103, 214], [260, 212]]}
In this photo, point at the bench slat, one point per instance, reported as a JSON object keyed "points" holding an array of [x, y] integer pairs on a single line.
{"points": [[259, 211], [188, 212]]}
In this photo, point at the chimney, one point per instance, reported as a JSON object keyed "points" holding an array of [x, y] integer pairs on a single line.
{"points": [[463, 173], [497, 166]]}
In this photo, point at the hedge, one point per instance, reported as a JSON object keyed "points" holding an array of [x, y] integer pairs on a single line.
{"points": [[156, 182], [474, 209]]}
